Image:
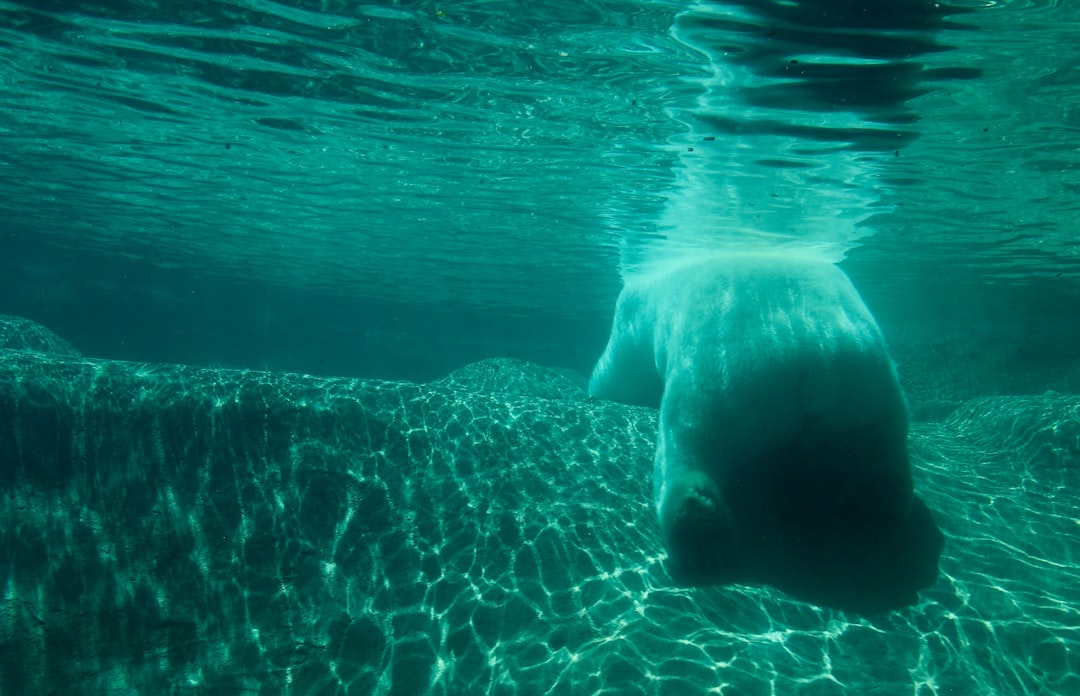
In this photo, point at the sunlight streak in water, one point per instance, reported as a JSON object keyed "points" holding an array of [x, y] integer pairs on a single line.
{"points": [[796, 120]]}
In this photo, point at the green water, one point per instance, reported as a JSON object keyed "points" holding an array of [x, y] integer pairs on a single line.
{"points": [[515, 149]]}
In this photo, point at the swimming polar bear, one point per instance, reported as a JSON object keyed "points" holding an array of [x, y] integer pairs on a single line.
{"points": [[781, 456]]}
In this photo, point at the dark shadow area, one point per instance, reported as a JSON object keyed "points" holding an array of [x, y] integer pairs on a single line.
{"points": [[825, 526]]}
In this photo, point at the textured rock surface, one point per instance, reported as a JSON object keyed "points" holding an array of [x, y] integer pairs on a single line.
{"points": [[509, 376], [17, 333], [169, 529]]}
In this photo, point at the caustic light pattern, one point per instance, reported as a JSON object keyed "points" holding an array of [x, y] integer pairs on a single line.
{"points": [[170, 528]]}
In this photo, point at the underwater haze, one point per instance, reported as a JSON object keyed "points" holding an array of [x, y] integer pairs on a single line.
{"points": [[298, 301]]}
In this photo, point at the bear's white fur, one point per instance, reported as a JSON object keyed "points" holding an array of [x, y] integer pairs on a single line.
{"points": [[781, 455]]}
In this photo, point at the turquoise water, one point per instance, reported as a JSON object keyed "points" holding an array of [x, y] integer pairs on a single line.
{"points": [[516, 150], [394, 190]]}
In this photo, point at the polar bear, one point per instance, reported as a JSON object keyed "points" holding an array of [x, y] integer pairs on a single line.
{"points": [[781, 457]]}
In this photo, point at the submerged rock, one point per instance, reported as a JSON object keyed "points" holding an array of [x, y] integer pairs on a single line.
{"points": [[167, 527], [17, 333], [511, 376]]}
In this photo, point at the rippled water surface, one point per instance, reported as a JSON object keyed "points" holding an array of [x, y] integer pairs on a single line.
{"points": [[516, 155]]}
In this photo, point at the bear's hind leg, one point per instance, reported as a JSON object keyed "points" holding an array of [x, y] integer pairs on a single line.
{"points": [[697, 530]]}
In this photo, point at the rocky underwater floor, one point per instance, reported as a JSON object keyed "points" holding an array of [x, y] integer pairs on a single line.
{"points": [[181, 530]]}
